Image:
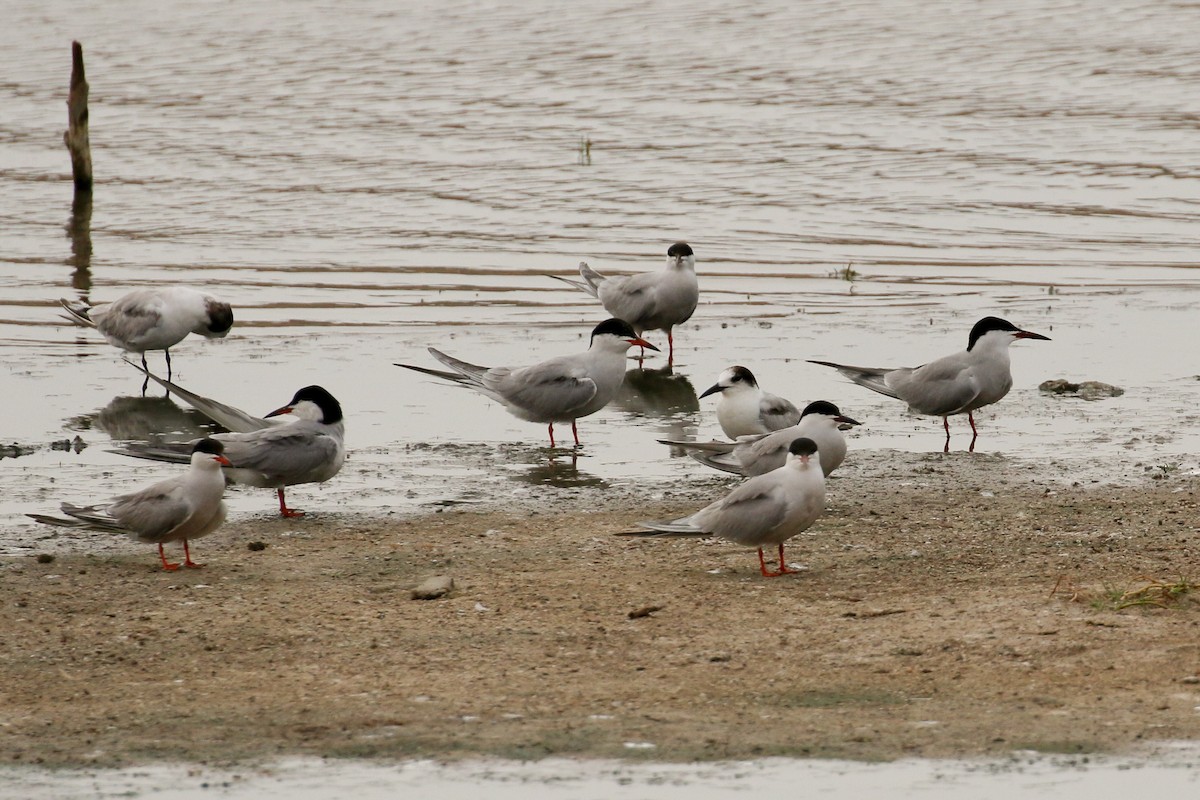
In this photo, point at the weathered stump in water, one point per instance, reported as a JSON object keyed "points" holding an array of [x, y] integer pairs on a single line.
{"points": [[76, 137]]}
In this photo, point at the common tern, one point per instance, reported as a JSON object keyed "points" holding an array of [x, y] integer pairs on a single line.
{"points": [[955, 384], [177, 509], [757, 455], [154, 319], [561, 389], [765, 510], [267, 453], [649, 301], [743, 409]]}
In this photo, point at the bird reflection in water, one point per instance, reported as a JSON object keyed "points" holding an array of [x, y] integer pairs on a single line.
{"points": [[147, 419], [542, 466], [661, 393], [657, 393]]}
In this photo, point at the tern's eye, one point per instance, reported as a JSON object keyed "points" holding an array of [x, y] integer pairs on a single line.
{"points": [[736, 378]]}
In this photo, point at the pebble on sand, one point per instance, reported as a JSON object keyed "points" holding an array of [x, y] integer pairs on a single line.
{"points": [[433, 588]]}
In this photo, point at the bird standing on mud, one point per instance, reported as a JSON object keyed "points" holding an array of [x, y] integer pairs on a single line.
{"points": [[264, 452], [955, 384], [765, 510], [649, 301], [184, 507]]}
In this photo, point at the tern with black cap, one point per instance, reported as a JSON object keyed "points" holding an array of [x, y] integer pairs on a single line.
{"points": [[959, 383], [561, 389]]}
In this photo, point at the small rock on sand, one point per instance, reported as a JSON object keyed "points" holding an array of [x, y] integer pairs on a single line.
{"points": [[433, 588]]}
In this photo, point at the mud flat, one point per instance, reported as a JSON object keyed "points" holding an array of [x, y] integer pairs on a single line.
{"points": [[955, 610]]}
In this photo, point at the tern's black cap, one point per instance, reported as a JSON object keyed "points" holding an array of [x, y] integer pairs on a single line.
{"points": [[802, 447], [679, 249], [331, 409], [210, 446]]}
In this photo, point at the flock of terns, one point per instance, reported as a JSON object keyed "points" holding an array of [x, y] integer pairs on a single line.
{"points": [[784, 453]]}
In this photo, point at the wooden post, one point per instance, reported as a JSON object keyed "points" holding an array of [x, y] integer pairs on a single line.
{"points": [[76, 138]]}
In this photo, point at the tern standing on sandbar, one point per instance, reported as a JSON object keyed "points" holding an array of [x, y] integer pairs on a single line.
{"points": [[766, 510], [184, 507]]}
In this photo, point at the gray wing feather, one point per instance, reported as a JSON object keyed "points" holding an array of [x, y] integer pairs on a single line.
{"points": [[152, 512], [874, 378], [937, 387], [745, 515], [284, 453], [226, 416], [130, 317], [777, 412], [76, 314], [554, 387]]}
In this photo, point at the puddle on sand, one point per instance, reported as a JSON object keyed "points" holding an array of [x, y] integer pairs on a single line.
{"points": [[1173, 772]]}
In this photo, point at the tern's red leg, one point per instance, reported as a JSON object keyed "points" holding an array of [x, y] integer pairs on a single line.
{"points": [[167, 350], [946, 423], [284, 510], [167, 565], [187, 557], [783, 570], [670, 349], [974, 433], [762, 566], [575, 432], [552, 434]]}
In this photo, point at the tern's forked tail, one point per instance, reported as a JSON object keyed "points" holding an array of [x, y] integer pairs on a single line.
{"points": [[871, 377]]}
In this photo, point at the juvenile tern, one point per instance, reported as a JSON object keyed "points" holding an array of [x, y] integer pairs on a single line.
{"points": [[765, 510], [756, 455], [954, 384], [177, 509], [267, 453], [649, 301], [743, 409], [154, 319], [561, 389]]}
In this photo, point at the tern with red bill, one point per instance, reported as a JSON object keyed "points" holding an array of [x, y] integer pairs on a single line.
{"points": [[649, 301], [308, 447], [177, 509], [956, 384], [560, 389], [766, 510]]}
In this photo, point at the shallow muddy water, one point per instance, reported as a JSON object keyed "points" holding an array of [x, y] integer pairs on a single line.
{"points": [[1025, 775], [362, 185]]}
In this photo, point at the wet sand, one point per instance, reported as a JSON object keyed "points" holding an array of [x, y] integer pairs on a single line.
{"points": [[956, 608]]}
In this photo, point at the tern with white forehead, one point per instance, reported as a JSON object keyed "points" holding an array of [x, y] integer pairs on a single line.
{"points": [[955, 384], [757, 455], [154, 319], [763, 511], [561, 389], [177, 509], [309, 447], [649, 301], [743, 409]]}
